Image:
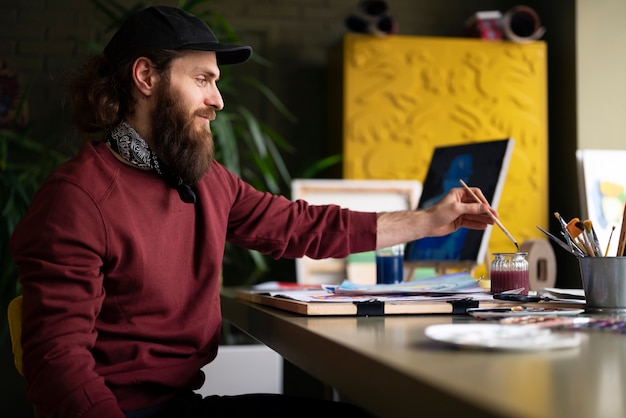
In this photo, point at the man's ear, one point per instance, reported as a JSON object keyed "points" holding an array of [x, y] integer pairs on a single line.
{"points": [[145, 76]]}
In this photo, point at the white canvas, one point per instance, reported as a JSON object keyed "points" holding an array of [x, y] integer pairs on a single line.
{"points": [[602, 189], [361, 195]]}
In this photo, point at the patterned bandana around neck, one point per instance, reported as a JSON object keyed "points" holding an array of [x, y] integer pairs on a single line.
{"points": [[133, 148]]}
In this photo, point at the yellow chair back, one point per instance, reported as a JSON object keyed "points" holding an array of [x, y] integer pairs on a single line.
{"points": [[15, 329]]}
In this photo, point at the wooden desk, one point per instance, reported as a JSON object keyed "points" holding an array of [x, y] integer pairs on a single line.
{"points": [[388, 366]]}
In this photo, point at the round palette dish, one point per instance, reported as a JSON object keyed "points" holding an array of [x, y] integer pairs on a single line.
{"points": [[502, 337]]}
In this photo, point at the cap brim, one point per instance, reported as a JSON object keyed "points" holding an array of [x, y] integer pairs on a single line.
{"points": [[234, 56], [226, 54]]}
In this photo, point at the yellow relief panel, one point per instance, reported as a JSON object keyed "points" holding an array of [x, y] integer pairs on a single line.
{"points": [[405, 95]]}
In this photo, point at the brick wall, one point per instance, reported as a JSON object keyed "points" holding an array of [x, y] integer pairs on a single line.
{"points": [[36, 42], [42, 40]]}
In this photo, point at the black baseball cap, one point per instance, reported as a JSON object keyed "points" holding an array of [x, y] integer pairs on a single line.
{"points": [[162, 27]]}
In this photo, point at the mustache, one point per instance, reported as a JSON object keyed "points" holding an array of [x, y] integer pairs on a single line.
{"points": [[210, 114]]}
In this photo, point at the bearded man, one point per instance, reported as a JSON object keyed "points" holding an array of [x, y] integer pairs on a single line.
{"points": [[120, 253]]}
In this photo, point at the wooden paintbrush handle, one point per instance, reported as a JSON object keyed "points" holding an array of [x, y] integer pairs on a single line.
{"points": [[622, 236]]}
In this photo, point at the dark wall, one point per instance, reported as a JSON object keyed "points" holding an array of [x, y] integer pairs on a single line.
{"points": [[562, 132]]}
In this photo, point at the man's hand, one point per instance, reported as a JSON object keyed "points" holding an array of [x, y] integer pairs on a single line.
{"points": [[457, 209]]}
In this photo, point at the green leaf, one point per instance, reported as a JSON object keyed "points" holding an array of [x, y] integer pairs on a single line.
{"points": [[271, 97], [258, 140], [321, 165]]}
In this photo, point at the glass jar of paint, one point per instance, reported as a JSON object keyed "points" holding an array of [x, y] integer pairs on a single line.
{"points": [[509, 271], [389, 264]]}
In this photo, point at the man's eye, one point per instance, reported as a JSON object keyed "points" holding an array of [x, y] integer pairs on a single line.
{"points": [[201, 81]]}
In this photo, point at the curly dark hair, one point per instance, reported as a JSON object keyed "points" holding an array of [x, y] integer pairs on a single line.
{"points": [[101, 96]]}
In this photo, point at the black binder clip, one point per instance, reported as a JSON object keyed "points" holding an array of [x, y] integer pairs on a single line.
{"points": [[460, 306], [372, 307]]}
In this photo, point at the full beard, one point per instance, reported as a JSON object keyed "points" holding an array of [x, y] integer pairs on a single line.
{"points": [[186, 150]]}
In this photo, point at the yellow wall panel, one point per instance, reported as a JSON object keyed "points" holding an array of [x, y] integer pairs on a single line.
{"points": [[404, 95]]}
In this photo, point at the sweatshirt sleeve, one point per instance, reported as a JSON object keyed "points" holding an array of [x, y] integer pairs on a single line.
{"points": [[58, 248], [283, 228]]}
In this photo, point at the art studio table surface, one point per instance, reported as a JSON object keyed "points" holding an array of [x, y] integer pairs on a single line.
{"points": [[388, 365]]}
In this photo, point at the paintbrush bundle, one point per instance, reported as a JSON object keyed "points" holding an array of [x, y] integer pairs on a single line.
{"points": [[580, 238]]}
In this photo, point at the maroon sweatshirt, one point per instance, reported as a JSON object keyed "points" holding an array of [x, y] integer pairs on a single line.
{"points": [[121, 278]]}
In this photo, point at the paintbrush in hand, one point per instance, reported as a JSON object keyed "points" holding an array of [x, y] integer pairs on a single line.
{"points": [[496, 220]]}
